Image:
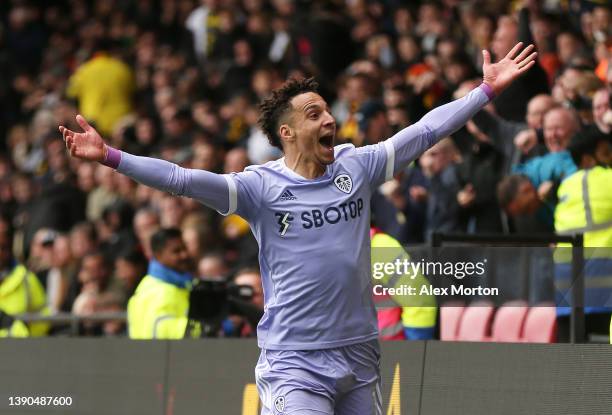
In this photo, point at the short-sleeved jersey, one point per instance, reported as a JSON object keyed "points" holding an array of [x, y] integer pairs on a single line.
{"points": [[314, 247]]}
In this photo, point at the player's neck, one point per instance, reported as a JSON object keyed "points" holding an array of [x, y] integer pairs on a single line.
{"points": [[309, 169]]}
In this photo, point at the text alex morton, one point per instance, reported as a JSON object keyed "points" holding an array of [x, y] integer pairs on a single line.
{"points": [[458, 270]]}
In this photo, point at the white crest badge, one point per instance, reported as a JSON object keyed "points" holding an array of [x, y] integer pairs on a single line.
{"points": [[344, 183], [279, 404]]}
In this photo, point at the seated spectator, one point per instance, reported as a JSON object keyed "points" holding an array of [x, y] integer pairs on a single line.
{"points": [[212, 266], [83, 239], [58, 277], [41, 253], [146, 223], [130, 267], [96, 281]]}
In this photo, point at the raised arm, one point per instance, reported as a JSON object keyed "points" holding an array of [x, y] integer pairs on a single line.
{"points": [[412, 141], [208, 188]]}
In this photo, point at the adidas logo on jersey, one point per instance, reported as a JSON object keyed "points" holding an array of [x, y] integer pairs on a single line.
{"points": [[287, 195]]}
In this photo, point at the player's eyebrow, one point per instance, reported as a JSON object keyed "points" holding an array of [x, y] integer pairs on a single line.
{"points": [[311, 105], [314, 105]]}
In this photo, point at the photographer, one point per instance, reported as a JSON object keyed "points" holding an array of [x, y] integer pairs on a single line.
{"points": [[159, 307], [248, 312]]}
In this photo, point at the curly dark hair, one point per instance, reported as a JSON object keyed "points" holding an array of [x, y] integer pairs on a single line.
{"points": [[274, 107]]}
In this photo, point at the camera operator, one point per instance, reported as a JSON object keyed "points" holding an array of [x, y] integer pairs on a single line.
{"points": [[159, 307], [226, 307], [239, 325]]}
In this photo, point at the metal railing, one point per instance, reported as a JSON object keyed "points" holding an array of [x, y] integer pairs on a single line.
{"points": [[72, 320], [577, 321]]}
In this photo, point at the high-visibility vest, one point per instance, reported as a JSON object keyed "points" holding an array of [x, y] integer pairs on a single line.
{"points": [[158, 310], [400, 315], [22, 292], [585, 206]]}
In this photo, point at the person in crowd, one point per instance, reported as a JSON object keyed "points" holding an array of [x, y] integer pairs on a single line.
{"points": [[182, 107], [103, 86], [439, 164], [517, 141], [585, 207], [236, 325], [20, 291], [602, 114], [546, 172], [159, 307], [130, 267], [519, 198], [97, 288]]}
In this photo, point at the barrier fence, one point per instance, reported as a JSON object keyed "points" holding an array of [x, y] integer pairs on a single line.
{"points": [[577, 283], [215, 376]]}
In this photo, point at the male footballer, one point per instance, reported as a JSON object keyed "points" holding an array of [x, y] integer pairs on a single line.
{"points": [[310, 214]]}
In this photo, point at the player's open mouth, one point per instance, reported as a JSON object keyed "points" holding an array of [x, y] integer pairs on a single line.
{"points": [[327, 141]]}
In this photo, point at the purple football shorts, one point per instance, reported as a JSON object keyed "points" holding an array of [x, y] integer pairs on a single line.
{"points": [[338, 381]]}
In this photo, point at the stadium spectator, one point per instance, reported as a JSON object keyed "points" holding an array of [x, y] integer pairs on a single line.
{"points": [[601, 108], [517, 141], [130, 267], [158, 309], [41, 253], [512, 103], [439, 164], [114, 230], [104, 195], [83, 239], [401, 317], [407, 55], [585, 206], [20, 291], [58, 277], [237, 325], [546, 172], [103, 86], [520, 200], [146, 222], [212, 266], [478, 173], [97, 287], [197, 234], [203, 22]]}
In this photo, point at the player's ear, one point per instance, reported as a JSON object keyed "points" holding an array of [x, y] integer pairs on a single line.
{"points": [[285, 132]]}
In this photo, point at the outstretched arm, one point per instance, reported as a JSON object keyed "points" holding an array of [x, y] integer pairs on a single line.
{"points": [[409, 143], [208, 188]]}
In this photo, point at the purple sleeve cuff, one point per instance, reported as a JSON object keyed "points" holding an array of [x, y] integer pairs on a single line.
{"points": [[487, 90], [113, 157]]}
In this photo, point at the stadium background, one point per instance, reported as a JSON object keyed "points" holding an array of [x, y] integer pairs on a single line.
{"points": [[182, 79], [185, 77]]}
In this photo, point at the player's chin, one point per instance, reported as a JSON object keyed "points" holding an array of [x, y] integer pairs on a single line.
{"points": [[326, 159], [326, 154]]}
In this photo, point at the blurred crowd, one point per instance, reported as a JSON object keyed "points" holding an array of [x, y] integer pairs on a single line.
{"points": [[181, 79]]}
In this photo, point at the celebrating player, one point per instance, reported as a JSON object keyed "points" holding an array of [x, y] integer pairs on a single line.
{"points": [[310, 214]]}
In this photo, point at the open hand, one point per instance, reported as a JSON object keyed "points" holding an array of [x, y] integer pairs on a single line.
{"points": [[501, 74], [87, 145]]}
